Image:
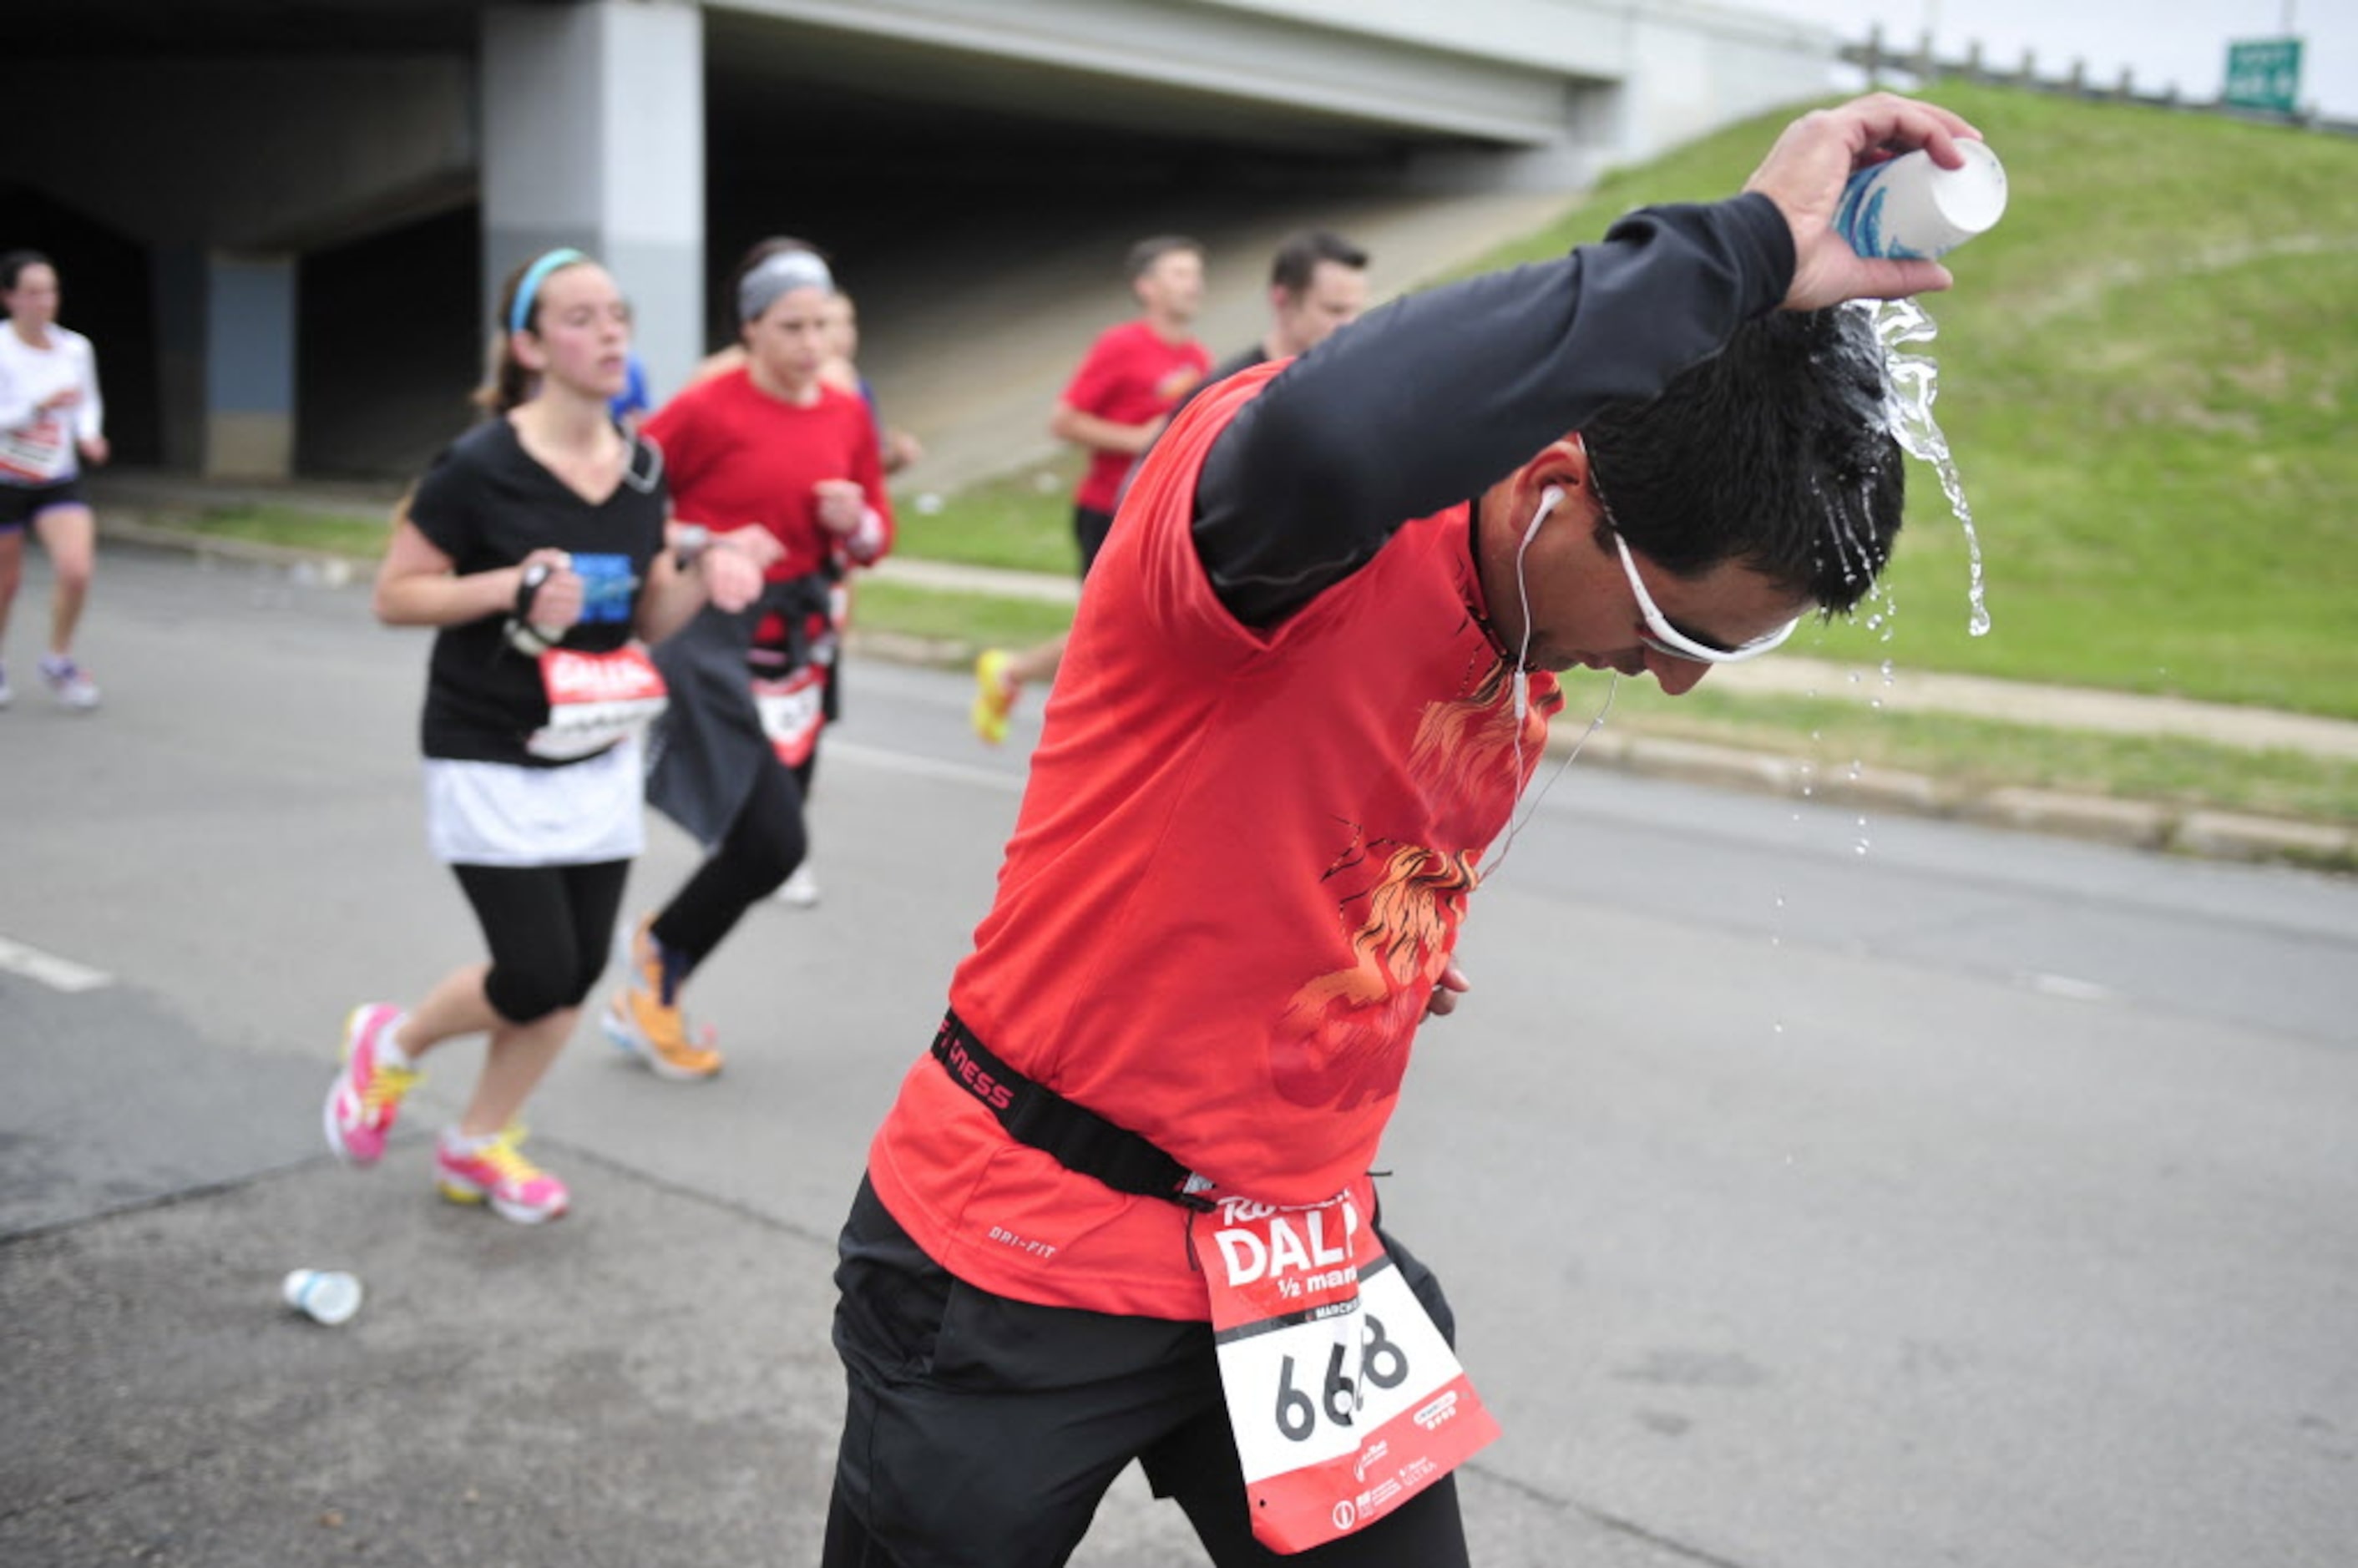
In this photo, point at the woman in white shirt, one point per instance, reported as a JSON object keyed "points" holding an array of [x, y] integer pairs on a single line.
{"points": [[52, 423]]}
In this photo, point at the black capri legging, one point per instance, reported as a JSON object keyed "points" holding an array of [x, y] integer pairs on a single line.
{"points": [[547, 927], [763, 845]]}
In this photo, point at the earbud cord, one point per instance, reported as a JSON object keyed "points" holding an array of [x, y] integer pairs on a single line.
{"points": [[1515, 823], [1520, 676]]}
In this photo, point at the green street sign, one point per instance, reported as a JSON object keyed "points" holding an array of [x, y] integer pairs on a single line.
{"points": [[2264, 73]]}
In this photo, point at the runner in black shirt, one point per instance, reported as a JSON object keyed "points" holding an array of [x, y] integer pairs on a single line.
{"points": [[536, 544]]}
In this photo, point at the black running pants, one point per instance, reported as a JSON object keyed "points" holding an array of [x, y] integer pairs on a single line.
{"points": [[981, 1432]]}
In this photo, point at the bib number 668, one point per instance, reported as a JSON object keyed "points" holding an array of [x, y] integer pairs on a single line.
{"points": [[1380, 1362]]}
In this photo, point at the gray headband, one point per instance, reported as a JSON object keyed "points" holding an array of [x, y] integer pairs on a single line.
{"points": [[779, 274]]}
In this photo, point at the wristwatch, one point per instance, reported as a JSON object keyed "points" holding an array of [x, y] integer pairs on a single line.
{"points": [[690, 541], [527, 638]]}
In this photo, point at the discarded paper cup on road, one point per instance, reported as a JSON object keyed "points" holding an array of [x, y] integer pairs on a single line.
{"points": [[324, 1295], [1911, 207]]}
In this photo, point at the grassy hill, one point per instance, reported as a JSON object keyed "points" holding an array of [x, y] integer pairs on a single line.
{"points": [[2148, 373]]}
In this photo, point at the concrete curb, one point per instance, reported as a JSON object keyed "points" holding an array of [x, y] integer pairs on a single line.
{"points": [[318, 565], [2130, 824]]}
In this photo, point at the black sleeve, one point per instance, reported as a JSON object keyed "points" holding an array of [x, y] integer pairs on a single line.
{"points": [[1433, 398], [443, 505]]}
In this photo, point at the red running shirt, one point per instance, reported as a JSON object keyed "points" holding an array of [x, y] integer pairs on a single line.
{"points": [[733, 455], [1129, 376], [1241, 863]]}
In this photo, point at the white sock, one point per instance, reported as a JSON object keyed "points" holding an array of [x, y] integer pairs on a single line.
{"points": [[388, 1049], [458, 1142]]}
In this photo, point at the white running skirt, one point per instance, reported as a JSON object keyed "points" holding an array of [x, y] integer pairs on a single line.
{"points": [[497, 814]]}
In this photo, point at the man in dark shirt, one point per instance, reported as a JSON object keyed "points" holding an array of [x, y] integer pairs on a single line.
{"points": [[1318, 282]]}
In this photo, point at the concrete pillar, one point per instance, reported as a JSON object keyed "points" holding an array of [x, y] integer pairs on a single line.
{"points": [[176, 269], [249, 367], [593, 136]]}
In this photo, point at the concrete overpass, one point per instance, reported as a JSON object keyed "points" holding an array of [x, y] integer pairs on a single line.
{"points": [[280, 218]]}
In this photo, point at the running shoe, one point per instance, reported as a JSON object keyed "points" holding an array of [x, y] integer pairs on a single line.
{"points": [[995, 695], [801, 890], [69, 684], [645, 1020], [494, 1170], [367, 1093]]}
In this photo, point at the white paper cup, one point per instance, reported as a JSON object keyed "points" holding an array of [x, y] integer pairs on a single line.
{"points": [[324, 1295], [1910, 206]]}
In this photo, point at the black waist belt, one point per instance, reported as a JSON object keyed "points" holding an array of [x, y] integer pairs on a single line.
{"points": [[1075, 1136]]}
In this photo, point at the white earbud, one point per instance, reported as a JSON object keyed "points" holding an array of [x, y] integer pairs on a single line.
{"points": [[1550, 498]]}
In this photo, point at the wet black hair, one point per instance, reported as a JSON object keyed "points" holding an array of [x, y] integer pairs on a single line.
{"points": [[1775, 452]]}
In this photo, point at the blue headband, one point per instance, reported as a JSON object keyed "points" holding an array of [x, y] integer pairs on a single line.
{"points": [[520, 315]]}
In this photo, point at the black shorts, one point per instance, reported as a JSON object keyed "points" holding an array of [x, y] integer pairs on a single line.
{"points": [[20, 504], [982, 1431], [1089, 529]]}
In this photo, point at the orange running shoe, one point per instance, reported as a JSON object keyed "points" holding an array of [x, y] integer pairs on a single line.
{"points": [[645, 1020]]}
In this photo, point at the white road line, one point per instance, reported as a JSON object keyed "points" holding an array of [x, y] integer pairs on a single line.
{"points": [[2068, 987], [59, 974]]}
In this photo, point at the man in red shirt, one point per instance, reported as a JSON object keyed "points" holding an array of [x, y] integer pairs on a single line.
{"points": [[1115, 406], [1124, 1211]]}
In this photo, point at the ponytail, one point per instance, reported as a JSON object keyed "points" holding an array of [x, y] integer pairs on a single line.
{"points": [[507, 382]]}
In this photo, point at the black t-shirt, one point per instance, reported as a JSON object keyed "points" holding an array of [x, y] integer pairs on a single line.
{"points": [[488, 503]]}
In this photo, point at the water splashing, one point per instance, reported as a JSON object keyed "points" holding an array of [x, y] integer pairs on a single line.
{"points": [[1912, 382]]}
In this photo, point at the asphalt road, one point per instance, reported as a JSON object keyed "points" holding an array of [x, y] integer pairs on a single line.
{"points": [[1814, 1193]]}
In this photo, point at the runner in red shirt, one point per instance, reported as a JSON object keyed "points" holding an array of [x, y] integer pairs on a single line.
{"points": [[1122, 1213], [1115, 406], [767, 447]]}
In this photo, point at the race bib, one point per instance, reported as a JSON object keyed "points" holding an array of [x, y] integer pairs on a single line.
{"points": [[792, 710], [594, 700], [34, 453], [1345, 1399]]}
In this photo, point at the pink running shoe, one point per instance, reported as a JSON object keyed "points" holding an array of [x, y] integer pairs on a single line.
{"points": [[366, 1095], [496, 1171]]}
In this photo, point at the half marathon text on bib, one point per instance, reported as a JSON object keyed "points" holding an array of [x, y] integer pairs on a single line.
{"points": [[1345, 1400]]}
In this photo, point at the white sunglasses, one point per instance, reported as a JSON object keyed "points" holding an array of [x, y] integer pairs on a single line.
{"points": [[1665, 638]]}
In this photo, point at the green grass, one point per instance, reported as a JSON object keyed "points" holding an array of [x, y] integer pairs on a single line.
{"points": [[1022, 521], [289, 525], [2147, 376], [966, 623], [1969, 754], [1975, 754]]}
